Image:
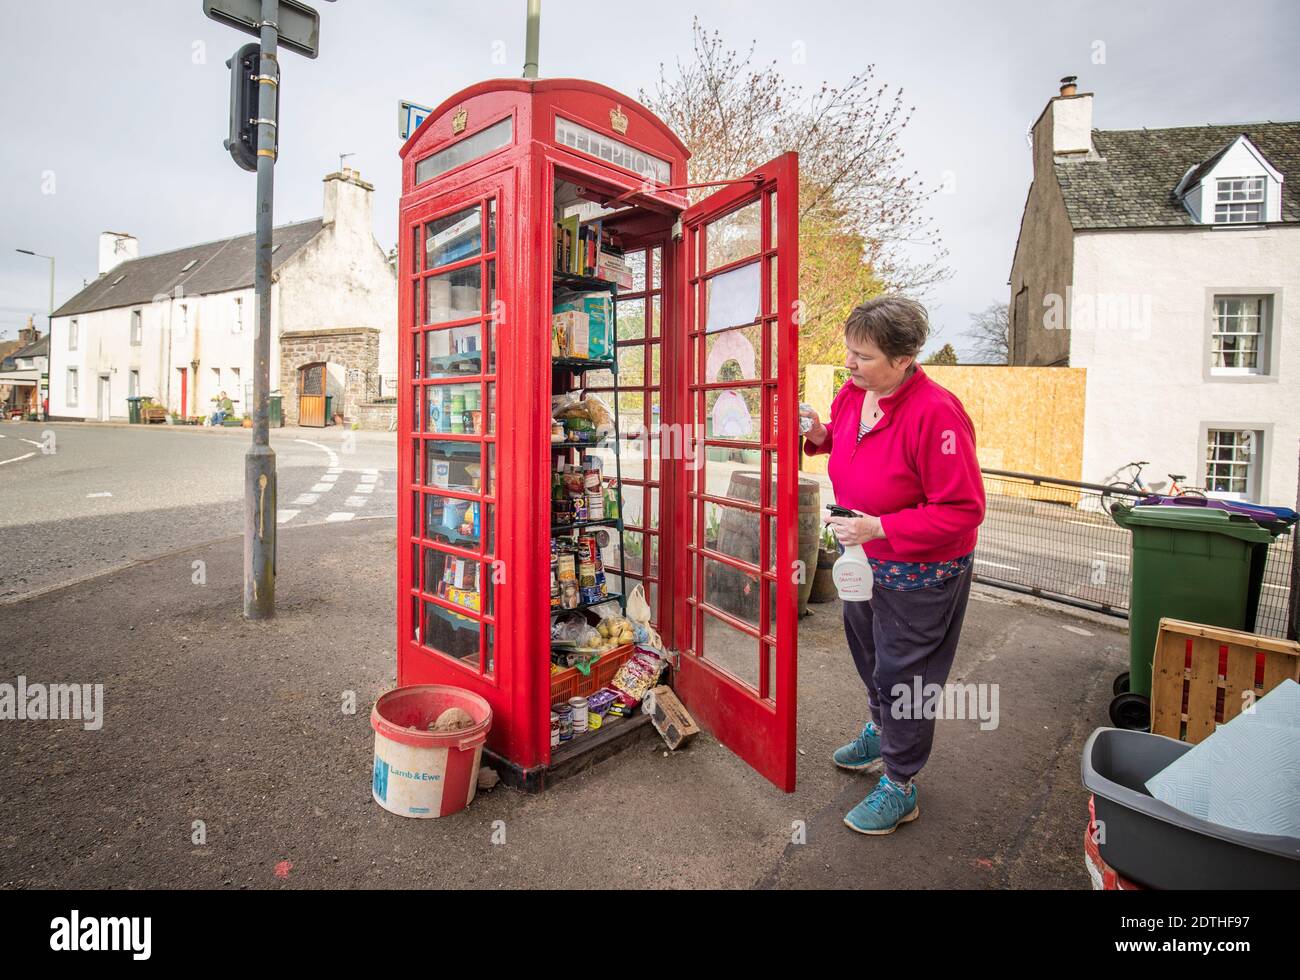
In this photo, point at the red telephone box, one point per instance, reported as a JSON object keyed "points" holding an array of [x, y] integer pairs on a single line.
{"points": [[706, 382]]}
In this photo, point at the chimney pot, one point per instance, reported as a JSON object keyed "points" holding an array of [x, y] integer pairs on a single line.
{"points": [[1069, 85]]}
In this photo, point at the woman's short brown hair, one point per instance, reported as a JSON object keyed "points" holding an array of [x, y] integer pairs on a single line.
{"points": [[897, 325]]}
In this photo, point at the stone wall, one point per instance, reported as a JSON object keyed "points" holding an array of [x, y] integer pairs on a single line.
{"points": [[355, 349], [376, 416]]}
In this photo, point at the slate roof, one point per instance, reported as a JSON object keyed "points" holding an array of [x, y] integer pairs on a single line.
{"points": [[39, 348], [218, 267], [1132, 185]]}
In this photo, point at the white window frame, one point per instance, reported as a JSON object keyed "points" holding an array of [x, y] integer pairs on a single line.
{"points": [[1237, 454], [137, 328], [1268, 349], [1260, 335], [74, 388], [1240, 200], [72, 334], [238, 325]]}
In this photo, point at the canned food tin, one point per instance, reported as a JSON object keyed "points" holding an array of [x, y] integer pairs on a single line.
{"points": [[578, 714], [555, 729], [565, 715]]}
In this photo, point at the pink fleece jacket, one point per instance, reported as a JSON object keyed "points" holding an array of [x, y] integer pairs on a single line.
{"points": [[916, 470]]}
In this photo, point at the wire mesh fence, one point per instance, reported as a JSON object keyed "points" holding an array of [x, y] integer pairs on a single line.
{"points": [[1055, 538]]}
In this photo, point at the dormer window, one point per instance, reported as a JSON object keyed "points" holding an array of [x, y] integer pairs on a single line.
{"points": [[1240, 200], [1235, 187]]}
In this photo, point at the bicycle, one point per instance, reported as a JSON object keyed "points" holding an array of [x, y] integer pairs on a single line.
{"points": [[1134, 483]]}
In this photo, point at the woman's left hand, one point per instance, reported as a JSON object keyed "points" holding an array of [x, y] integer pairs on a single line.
{"points": [[856, 530]]}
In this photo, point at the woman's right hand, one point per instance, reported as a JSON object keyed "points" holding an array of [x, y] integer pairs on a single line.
{"points": [[811, 424]]}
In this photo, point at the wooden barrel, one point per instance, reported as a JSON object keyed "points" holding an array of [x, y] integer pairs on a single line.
{"points": [[738, 537]]}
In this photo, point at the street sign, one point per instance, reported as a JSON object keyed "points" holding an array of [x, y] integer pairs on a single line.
{"points": [[409, 117], [299, 24]]}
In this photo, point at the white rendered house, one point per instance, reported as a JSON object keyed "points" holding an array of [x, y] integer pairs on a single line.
{"points": [[1166, 262], [179, 326]]}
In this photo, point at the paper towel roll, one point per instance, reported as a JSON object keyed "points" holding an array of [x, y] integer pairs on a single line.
{"points": [[465, 301], [439, 300]]}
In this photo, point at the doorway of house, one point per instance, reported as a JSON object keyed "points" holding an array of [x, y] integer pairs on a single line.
{"points": [[311, 395], [182, 376], [105, 392]]}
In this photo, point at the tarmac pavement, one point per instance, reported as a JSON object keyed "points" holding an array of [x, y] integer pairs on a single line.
{"points": [[225, 752]]}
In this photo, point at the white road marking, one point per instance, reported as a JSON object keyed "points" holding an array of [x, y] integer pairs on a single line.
{"points": [[334, 457], [339, 515], [102, 493], [307, 499], [365, 488], [322, 487], [335, 470], [16, 459], [32, 442], [369, 477], [371, 471], [329, 478], [1075, 629], [1010, 568], [355, 501], [286, 515]]}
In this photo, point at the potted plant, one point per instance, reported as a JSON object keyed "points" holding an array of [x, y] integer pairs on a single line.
{"points": [[828, 553], [632, 550], [712, 526]]}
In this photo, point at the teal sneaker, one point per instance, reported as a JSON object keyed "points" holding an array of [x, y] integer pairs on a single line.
{"points": [[863, 753], [886, 808]]}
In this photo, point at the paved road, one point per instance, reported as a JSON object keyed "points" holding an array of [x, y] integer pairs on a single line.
{"points": [[109, 495]]}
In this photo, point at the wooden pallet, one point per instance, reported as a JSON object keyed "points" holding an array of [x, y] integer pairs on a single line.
{"points": [[1200, 673]]}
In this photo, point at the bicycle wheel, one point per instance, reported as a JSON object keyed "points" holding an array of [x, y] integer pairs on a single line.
{"points": [[1109, 499], [1198, 494]]}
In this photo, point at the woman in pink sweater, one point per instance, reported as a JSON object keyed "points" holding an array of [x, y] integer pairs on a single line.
{"points": [[902, 455]]}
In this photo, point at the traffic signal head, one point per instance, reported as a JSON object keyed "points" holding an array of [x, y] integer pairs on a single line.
{"points": [[245, 92]]}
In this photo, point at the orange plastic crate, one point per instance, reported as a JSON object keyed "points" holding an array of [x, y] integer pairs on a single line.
{"points": [[571, 683]]}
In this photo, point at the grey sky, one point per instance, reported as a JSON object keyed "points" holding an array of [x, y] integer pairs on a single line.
{"points": [[124, 104]]}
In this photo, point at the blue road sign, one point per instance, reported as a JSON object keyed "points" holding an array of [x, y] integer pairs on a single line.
{"points": [[409, 117]]}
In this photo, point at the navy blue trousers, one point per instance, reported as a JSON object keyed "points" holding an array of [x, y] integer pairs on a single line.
{"points": [[897, 638]]}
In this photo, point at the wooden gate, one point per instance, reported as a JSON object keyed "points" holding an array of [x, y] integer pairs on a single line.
{"points": [[311, 394]]}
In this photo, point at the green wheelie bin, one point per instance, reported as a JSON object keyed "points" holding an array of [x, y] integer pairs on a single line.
{"points": [[133, 410], [1200, 564], [276, 418]]}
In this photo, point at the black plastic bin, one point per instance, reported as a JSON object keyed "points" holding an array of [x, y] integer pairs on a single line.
{"points": [[1158, 846]]}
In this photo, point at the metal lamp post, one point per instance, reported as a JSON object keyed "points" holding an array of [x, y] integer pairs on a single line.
{"points": [[49, 332]]}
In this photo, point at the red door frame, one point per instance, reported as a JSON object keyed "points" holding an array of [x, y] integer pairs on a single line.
{"points": [[758, 725], [185, 386], [502, 686]]}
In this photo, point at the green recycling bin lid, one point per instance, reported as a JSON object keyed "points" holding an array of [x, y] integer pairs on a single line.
{"points": [[1193, 519]]}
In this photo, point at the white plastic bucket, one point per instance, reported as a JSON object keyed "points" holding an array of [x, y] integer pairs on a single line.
{"points": [[419, 773]]}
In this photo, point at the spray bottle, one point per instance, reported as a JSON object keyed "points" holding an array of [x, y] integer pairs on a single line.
{"points": [[851, 572]]}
